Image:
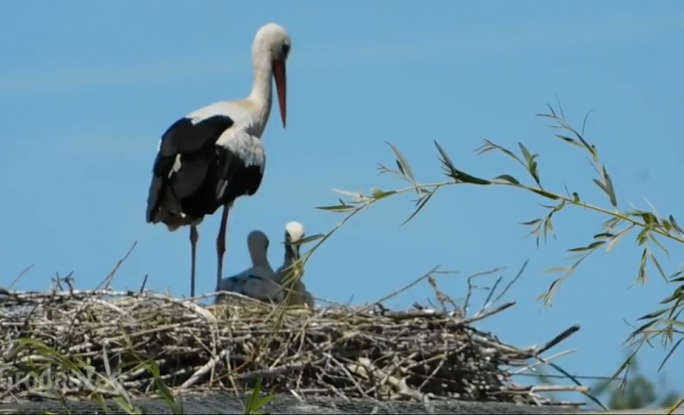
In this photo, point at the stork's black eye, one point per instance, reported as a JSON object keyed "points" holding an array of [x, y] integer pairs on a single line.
{"points": [[285, 50]]}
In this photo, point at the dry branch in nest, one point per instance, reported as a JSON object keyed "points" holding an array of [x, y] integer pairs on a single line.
{"points": [[81, 343]]}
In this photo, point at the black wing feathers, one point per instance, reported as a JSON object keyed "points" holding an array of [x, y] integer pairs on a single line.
{"points": [[242, 179], [195, 144], [237, 178]]}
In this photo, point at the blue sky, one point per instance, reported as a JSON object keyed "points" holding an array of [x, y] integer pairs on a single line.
{"points": [[86, 89]]}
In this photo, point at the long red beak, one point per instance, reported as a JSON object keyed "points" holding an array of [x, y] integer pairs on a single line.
{"points": [[280, 75]]}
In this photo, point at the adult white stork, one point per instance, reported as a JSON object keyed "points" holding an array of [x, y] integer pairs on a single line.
{"points": [[214, 155], [294, 233], [256, 281]]}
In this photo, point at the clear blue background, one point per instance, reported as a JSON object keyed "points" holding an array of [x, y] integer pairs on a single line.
{"points": [[86, 88]]}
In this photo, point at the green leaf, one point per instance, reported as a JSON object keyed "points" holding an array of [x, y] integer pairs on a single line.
{"points": [[548, 227], [423, 201], [673, 221], [612, 223], [642, 237], [569, 140], [548, 295], [643, 276], [655, 240], [532, 222], [508, 178], [525, 152], [466, 178], [679, 324], [649, 218], [545, 194], [489, 146], [381, 194], [337, 208], [385, 170], [617, 238], [454, 173], [658, 267], [552, 116], [556, 269], [403, 164], [256, 401], [643, 328], [677, 295], [624, 366], [653, 314], [310, 239], [533, 169], [600, 185], [400, 167], [161, 388], [604, 235], [610, 190], [124, 405], [589, 247], [677, 277], [669, 354], [446, 161]]}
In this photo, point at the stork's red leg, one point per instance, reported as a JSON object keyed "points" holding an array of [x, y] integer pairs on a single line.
{"points": [[194, 236], [221, 242]]}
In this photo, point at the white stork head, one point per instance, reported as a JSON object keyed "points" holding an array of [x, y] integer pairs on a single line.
{"points": [[294, 232], [257, 243], [271, 48]]}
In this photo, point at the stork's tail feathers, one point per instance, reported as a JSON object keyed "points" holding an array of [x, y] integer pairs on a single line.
{"points": [[164, 206]]}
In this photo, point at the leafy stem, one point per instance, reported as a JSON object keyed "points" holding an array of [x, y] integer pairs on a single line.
{"points": [[651, 227]]}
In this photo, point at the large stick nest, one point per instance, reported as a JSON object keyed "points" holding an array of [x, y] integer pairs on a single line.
{"points": [[81, 343]]}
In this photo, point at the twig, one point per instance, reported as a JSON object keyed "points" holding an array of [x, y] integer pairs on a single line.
{"points": [[466, 302], [513, 281], [18, 277], [108, 279], [403, 289]]}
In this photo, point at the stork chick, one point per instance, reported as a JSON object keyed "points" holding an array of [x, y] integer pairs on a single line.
{"points": [[294, 233], [257, 281]]}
